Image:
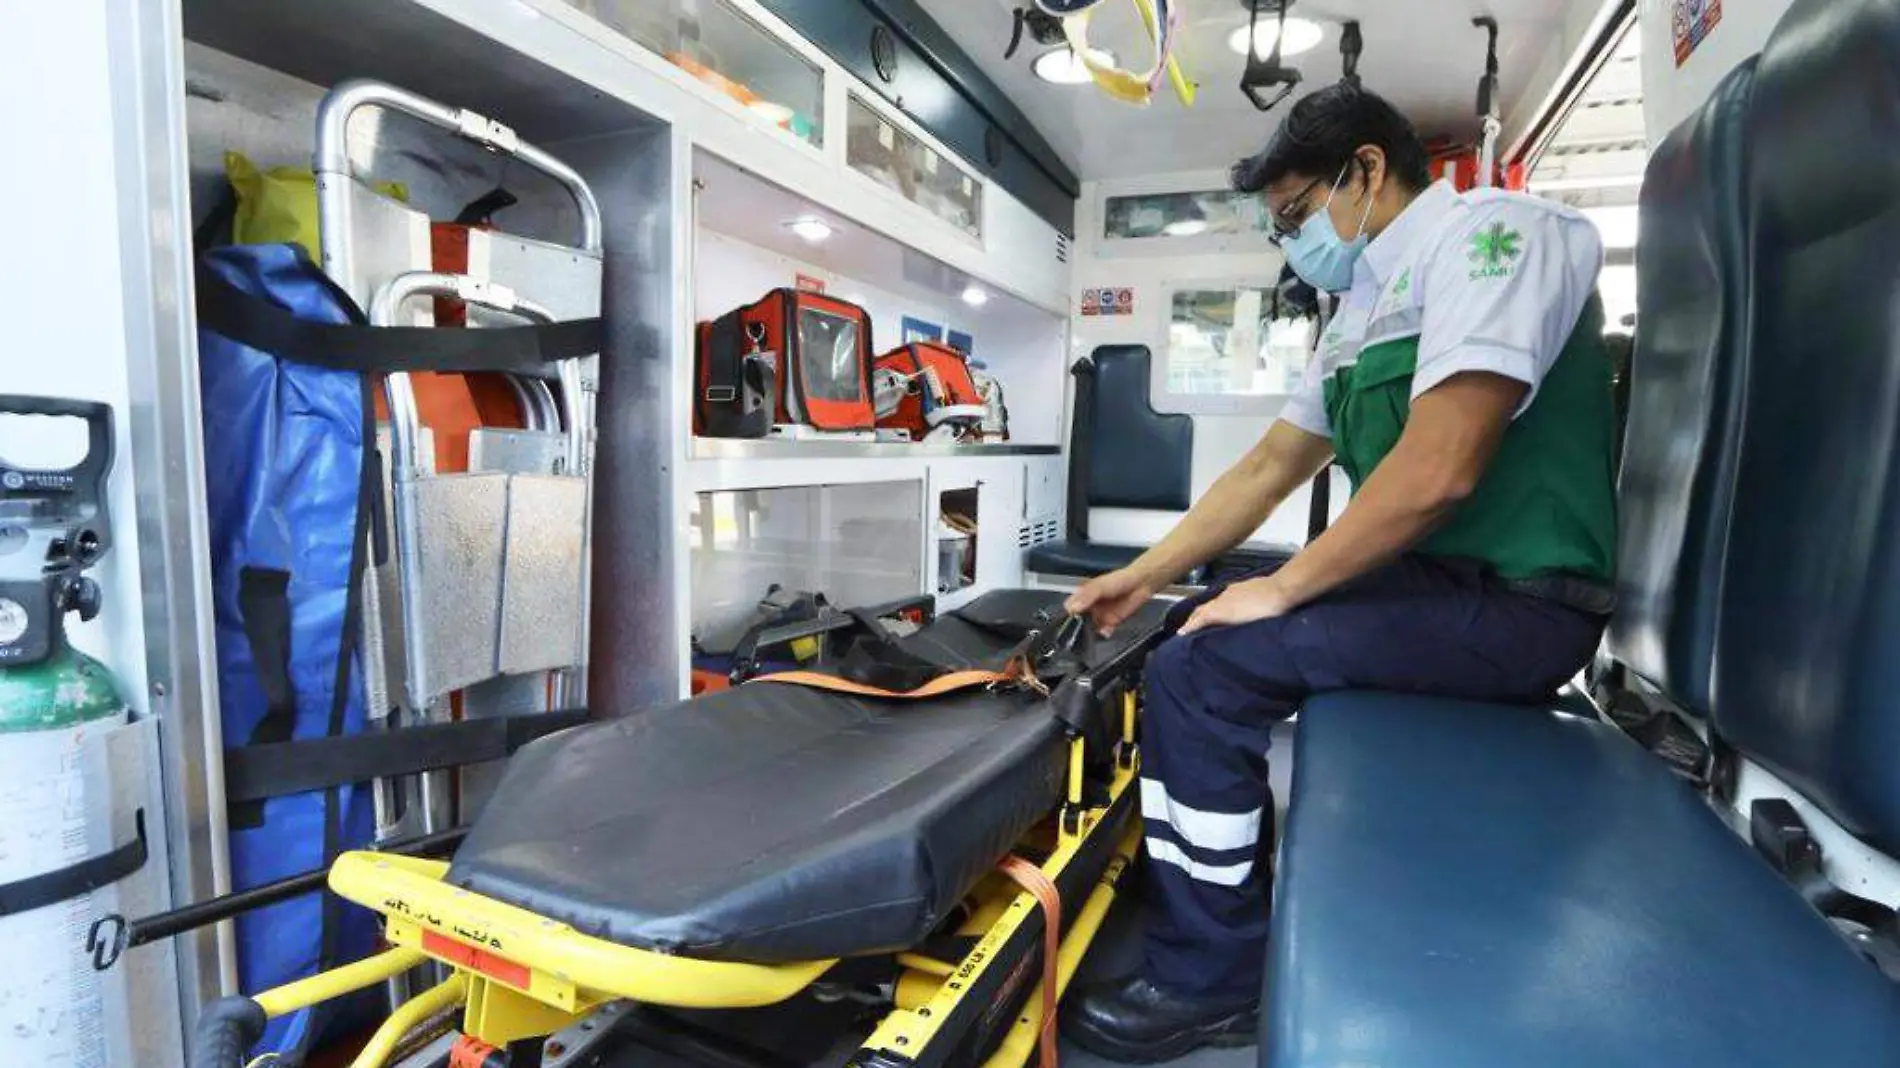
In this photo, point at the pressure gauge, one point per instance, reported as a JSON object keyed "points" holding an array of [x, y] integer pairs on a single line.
{"points": [[13, 621]]}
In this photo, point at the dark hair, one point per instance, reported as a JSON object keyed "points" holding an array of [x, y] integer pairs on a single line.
{"points": [[1322, 133]]}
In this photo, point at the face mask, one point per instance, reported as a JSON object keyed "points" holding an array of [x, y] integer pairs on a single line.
{"points": [[1318, 255]]}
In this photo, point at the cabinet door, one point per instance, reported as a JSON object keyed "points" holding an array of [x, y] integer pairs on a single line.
{"points": [[999, 557]]}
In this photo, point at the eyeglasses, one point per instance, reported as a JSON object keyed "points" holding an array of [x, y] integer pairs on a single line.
{"points": [[1284, 230]]}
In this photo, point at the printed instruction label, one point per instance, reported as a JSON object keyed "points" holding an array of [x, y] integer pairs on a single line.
{"points": [[1690, 23]]}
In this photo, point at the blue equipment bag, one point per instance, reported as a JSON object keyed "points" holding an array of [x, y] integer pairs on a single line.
{"points": [[294, 489], [286, 473]]}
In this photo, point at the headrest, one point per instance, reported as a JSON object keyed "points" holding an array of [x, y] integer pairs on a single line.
{"points": [[1827, 119]]}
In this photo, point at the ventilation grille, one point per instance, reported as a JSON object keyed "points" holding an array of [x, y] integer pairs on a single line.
{"points": [[1030, 535], [1062, 248]]}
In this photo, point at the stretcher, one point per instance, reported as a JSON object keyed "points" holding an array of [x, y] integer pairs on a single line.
{"points": [[935, 824]]}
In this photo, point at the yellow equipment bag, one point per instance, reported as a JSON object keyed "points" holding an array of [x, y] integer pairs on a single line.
{"points": [[279, 206]]}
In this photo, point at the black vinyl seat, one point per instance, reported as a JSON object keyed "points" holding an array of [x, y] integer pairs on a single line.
{"points": [[1490, 886], [1082, 559], [1124, 454], [774, 823]]}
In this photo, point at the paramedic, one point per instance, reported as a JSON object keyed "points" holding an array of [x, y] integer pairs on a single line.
{"points": [[1464, 388]]}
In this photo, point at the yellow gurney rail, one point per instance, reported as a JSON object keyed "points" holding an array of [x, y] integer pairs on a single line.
{"points": [[521, 976]]}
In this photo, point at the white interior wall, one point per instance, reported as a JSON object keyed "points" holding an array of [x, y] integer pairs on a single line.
{"points": [[1020, 345], [1670, 92], [68, 287], [62, 283]]}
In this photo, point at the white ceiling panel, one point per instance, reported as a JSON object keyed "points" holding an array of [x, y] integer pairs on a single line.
{"points": [[1424, 55]]}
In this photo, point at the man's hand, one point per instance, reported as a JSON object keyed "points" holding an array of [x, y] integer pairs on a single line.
{"points": [[1110, 599], [1243, 602]]}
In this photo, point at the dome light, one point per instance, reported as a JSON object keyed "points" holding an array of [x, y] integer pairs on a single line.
{"points": [[1302, 35], [812, 229], [1061, 66]]}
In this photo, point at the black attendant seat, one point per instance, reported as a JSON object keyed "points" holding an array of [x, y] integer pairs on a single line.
{"points": [[1124, 454]]}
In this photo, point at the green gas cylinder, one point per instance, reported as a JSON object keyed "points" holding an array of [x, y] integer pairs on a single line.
{"points": [[54, 699]]}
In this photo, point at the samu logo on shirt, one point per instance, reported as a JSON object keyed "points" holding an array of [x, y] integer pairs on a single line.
{"points": [[1494, 251]]}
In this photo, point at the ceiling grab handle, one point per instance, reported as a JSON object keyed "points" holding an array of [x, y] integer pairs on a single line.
{"points": [[1352, 45], [1268, 71], [1488, 106]]}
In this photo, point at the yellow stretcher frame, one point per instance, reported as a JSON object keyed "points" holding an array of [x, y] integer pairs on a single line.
{"points": [[519, 975]]}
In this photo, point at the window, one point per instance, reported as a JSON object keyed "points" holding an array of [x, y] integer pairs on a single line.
{"points": [[886, 153], [728, 52], [1228, 346], [1594, 163], [1214, 212]]}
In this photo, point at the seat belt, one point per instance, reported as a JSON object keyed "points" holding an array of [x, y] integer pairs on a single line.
{"points": [[1782, 838], [1081, 449]]}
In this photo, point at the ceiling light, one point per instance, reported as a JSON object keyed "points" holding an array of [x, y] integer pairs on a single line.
{"points": [[1185, 228], [1302, 35], [814, 230], [975, 297], [1061, 66]]}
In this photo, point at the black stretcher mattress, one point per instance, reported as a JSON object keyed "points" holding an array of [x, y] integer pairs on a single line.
{"points": [[774, 823]]}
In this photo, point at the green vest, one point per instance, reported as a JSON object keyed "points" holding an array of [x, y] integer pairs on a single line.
{"points": [[1548, 501]]}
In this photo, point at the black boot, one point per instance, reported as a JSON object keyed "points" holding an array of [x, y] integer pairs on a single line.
{"points": [[1132, 1021]]}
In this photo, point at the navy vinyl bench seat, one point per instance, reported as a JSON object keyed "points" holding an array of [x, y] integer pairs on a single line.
{"points": [[1491, 887]]}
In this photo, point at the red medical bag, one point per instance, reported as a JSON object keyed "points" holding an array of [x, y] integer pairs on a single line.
{"points": [[821, 347], [940, 391]]}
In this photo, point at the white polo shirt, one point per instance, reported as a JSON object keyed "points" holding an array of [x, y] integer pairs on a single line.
{"points": [[1486, 280]]}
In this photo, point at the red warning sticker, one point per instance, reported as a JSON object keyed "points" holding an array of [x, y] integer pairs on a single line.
{"points": [[475, 960]]}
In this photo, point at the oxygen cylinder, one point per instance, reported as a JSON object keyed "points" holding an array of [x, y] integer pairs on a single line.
{"points": [[53, 526], [50, 1013]]}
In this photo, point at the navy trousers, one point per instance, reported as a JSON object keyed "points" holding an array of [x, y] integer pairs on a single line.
{"points": [[1423, 625]]}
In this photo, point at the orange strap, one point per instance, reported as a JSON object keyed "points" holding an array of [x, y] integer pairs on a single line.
{"points": [[954, 682], [1031, 878], [470, 1053]]}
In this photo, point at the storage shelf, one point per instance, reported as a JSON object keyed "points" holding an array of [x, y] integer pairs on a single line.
{"points": [[769, 449], [744, 465]]}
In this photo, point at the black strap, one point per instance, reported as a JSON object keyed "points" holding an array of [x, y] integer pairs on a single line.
{"points": [[481, 211], [219, 223], [782, 616], [260, 324], [876, 659], [1319, 513], [725, 357], [264, 601], [1081, 434], [84, 877], [255, 773]]}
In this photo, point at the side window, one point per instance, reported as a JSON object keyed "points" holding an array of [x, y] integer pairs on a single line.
{"points": [[1230, 349], [1208, 213]]}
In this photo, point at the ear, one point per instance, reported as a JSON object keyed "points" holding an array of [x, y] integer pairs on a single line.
{"points": [[1372, 168]]}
